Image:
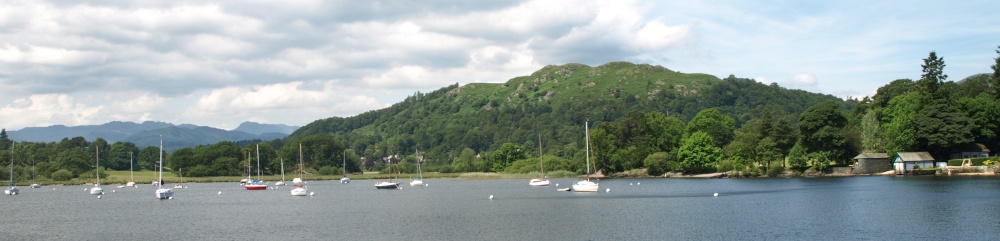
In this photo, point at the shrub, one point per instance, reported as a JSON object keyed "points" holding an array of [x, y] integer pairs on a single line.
{"points": [[62, 175], [328, 171], [775, 170]]}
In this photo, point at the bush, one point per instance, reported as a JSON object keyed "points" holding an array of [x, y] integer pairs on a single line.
{"points": [[329, 171], [62, 175], [775, 171], [445, 169]]}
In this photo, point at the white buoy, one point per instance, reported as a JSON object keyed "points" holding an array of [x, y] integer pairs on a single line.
{"points": [[425, 184], [98, 196], [557, 184], [716, 194], [491, 197], [607, 190], [220, 192], [638, 183], [170, 198], [84, 189], [112, 190], [312, 193], [630, 184]]}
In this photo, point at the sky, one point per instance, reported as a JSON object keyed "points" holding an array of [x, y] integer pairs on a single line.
{"points": [[293, 62]]}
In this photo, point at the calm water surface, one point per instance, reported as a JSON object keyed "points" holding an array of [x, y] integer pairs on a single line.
{"points": [[854, 208]]}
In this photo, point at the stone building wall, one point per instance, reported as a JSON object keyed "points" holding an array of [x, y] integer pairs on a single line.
{"points": [[870, 166]]}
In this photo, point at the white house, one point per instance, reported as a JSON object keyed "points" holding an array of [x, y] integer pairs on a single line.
{"points": [[906, 162]]}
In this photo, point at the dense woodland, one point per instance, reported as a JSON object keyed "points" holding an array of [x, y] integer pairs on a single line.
{"points": [[641, 117]]}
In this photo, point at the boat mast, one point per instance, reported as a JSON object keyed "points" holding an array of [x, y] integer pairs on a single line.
{"points": [[98, 150], [12, 163], [300, 161], [131, 176], [345, 162], [586, 130], [419, 159], [161, 163], [258, 162], [282, 169], [541, 163]]}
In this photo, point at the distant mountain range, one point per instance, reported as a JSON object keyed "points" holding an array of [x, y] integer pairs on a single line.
{"points": [[148, 133]]}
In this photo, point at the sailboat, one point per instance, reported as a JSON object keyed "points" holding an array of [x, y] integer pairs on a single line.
{"points": [[255, 184], [13, 189], [419, 181], [388, 184], [345, 179], [586, 185], [179, 173], [97, 190], [162, 193], [282, 182], [300, 187], [33, 184], [540, 182], [131, 176]]}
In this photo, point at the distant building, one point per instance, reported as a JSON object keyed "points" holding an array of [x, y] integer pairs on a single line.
{"points": [[906, 162], [972, 150], [869, 163]]}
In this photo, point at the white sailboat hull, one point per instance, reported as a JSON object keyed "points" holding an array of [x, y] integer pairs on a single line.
{"points": [[96, 191], [130, 184], [12, 191], [585, 186], [279, 183], [345, 180], [387, 185], [163, 193], [299, 191], [538, 182], [417, 183]]}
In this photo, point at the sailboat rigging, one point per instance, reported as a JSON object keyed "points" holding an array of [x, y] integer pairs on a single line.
{"points": [[255, 184], [300, 187], [162, 193], [345, 179], [419, 181], [388, 184], [13, 189], [586, 185], [540, 182], [131, 176], [97, 190]]}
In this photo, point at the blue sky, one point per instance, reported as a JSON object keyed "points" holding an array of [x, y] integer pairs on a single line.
{"points": [[222, 63]]}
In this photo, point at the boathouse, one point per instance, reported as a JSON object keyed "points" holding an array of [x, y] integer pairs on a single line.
{"points": [[906, 162], [869, 163]]}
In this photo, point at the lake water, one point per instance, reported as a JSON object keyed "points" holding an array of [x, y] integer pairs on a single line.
{"points": [[852, 208]]}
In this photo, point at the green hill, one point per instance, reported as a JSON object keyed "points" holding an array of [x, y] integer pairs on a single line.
{"points": [[552, 102]]}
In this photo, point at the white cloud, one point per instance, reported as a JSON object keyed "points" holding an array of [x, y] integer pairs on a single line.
{"points": [[47, 109], [288, 103], [803, 80], [48, 56], [221, 63]]}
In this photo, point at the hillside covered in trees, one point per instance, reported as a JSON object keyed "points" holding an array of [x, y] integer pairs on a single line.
{"points": [[457, 122]]}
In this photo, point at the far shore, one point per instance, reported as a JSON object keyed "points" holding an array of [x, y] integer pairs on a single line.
{"points": [[148, 177]]}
